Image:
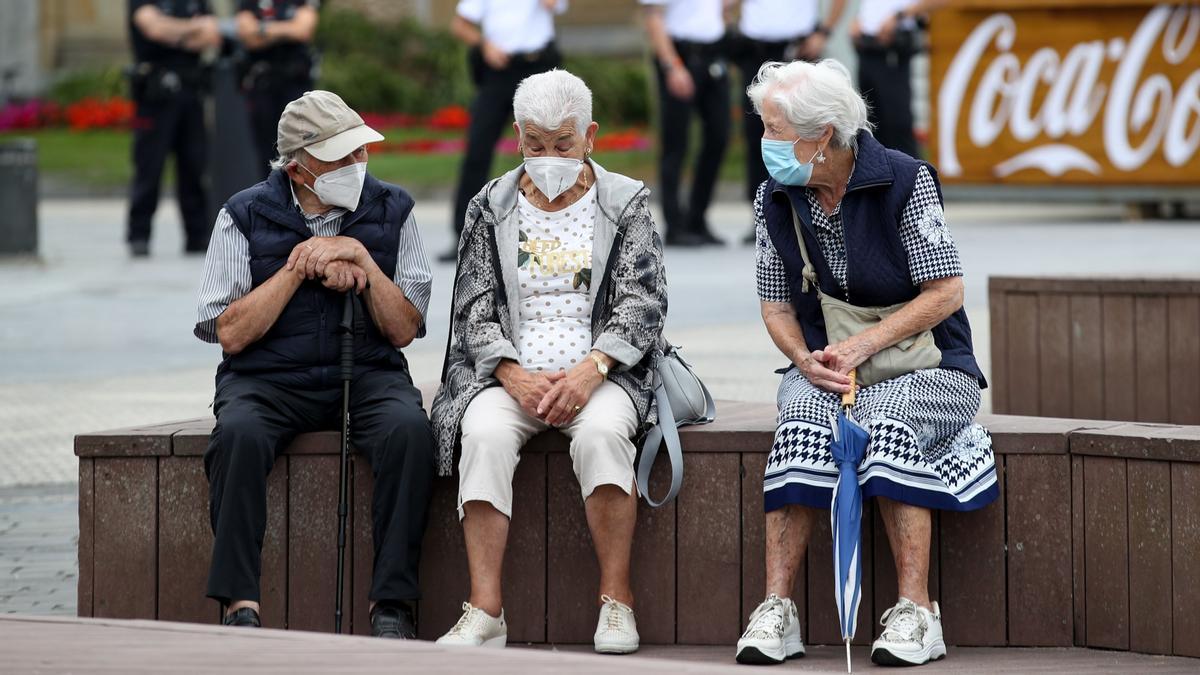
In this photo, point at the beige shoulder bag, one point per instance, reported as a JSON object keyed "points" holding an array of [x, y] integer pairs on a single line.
{"points": [[843, 320]]}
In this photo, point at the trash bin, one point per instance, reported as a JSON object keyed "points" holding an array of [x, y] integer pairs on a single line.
{"points": [[18, 196]]}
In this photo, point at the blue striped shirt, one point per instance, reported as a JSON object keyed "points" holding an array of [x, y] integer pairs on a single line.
{"points": [[227, 267]]}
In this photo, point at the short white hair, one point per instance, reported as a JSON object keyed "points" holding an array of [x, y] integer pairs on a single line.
{"points": [[286, 158], [813, 96], [551, 99]]}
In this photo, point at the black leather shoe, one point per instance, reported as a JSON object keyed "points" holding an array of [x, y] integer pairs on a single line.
{"points": [[245, 616], [391, 619], [684, 239], [707, 238], [139, 248]]}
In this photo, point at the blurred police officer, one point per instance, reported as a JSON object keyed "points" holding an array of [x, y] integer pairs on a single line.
{"points": [[509, 40], [279, 68], [168, 83], [886, 35], [693, 75]]}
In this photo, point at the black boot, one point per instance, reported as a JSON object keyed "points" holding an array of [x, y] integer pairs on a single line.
{"points": [[245, 616], [393, 619]]}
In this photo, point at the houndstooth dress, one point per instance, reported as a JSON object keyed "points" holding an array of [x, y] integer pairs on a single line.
{"points": [[926, 448]]}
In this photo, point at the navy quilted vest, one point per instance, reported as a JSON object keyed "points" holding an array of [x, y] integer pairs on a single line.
{"points": [[303, 348], [877, 272]]}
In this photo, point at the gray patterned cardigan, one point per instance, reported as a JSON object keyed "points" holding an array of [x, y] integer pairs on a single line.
{"points": [[629, 300]]}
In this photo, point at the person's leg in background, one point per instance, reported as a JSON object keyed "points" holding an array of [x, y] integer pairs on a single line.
{"points": [[712, 102], [675, 117], [886, 82], [191, 161], [153, 133]]}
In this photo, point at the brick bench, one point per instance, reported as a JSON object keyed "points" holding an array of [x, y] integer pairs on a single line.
{"points": [[1094, 542]]}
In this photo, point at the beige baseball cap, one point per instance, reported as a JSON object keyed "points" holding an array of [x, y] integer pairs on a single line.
{"points": [[322, 124]]}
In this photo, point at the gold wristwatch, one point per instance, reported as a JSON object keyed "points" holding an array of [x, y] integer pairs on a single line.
{"points": [[600, 365]]}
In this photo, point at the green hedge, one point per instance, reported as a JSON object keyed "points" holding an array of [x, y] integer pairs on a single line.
{"points": [[98, 83]]}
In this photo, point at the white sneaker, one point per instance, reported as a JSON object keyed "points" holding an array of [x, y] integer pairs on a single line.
{"points": [[616, 631], [912, 635], [477, 628], [773, 633]]}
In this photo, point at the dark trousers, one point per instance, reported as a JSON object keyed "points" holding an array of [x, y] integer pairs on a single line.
{"points": [[491, 112], [171, 125], [753, 55], [885, 79], [266, 104], [256, 420], [711, 102]]}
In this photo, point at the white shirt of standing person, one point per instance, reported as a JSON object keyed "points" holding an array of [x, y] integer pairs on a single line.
{"points": [[778, 20], [700, 21], [515, 26], [872, 14]]}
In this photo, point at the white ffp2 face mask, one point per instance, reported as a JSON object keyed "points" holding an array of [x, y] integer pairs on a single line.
{"points": [[553, 175], [340, 187]]}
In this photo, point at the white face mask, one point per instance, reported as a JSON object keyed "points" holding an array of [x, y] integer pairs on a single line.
{"points": [[340, 187], [553, 175]]}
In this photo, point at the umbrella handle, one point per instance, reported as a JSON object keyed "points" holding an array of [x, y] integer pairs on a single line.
{"points": [[848, 397]]}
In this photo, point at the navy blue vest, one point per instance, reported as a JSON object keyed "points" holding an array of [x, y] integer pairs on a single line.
{"points": [[877, 273], [303, 347]]}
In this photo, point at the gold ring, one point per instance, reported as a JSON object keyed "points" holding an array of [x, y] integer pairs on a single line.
{"points": [[578, 408]]}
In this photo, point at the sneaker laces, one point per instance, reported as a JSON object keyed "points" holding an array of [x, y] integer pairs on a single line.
{"points": [[614, 614], [767, 620], [466, 621], [903, 623]]}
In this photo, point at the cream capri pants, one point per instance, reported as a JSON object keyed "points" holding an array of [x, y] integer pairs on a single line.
{"points": [[494, 428]]}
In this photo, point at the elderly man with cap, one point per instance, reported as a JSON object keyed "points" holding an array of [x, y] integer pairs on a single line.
{"points": [[283, 255]]}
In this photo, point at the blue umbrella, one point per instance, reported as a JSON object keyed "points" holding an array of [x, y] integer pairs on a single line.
{"points": [[845, 515]]}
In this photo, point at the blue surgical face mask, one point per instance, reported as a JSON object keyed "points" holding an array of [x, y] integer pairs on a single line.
{"points": [[781, 162]]}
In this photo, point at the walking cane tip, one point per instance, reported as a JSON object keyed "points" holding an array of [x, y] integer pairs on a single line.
{"points": [[848, 670]]}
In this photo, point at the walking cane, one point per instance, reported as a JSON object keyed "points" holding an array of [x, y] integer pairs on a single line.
{"points": [[347, 328]]}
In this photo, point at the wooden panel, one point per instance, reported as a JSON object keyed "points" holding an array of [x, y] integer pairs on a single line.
{"points": [[1107, 552], [1096, 285], [1039, 550], [823, 624], [709, 550], [273, 585], [654, 565], [887, 590], [973, 573], [1120, 392], [312, 546], [445, 581], [1087, 358], [143, 441], [1023, 398], [754, 572], [524, 582], [572, 575], [998, 320], [362, 547], [1151, 359], [1185, 557], [1078, 553], [87, 516], [184, 541], [1054, 355], [1183, 337], [125, 530], [1149, 488]]}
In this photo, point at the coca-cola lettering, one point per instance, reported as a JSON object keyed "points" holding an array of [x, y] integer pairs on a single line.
{"points": [[1136, 104]]}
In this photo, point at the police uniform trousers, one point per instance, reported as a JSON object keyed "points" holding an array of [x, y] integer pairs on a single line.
{"points": [[711, 101], [885, 79], [751, 56], [266, 103], [164, 126], [257, 419], [491, 111]]}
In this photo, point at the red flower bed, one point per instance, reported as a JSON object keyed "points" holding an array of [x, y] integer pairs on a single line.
{"points": [[91, 113]]}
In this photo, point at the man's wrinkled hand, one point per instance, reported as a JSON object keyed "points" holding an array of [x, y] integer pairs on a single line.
{"points": [[343, 275], [310, 258]]}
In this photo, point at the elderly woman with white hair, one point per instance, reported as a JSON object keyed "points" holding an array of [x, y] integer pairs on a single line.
{"points": [[872, 234], [557, 318]]}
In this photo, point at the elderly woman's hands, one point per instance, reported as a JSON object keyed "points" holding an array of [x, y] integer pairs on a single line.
{"points": [[527, 389], [811, 366], [847, 354], [569, 394]]}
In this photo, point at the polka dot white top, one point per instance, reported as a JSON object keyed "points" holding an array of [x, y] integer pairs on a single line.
{"points": [[554, 270]]}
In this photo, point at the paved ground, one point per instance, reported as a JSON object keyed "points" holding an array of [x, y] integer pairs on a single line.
{"points": [[93, 340], [34, 646]]}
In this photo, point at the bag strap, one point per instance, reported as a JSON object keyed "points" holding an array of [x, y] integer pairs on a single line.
{"points": [[663, 431], [809, 273]]}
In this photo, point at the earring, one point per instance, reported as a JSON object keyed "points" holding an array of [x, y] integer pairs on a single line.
{"points": [[820, 157]]}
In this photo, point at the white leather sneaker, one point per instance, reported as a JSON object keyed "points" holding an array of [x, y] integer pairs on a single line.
{"points": [[773, 633], [477, 628], [912, 635], [616, 631]]}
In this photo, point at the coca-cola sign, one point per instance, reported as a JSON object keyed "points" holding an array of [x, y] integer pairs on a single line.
{"points": [[1080, 95]]}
